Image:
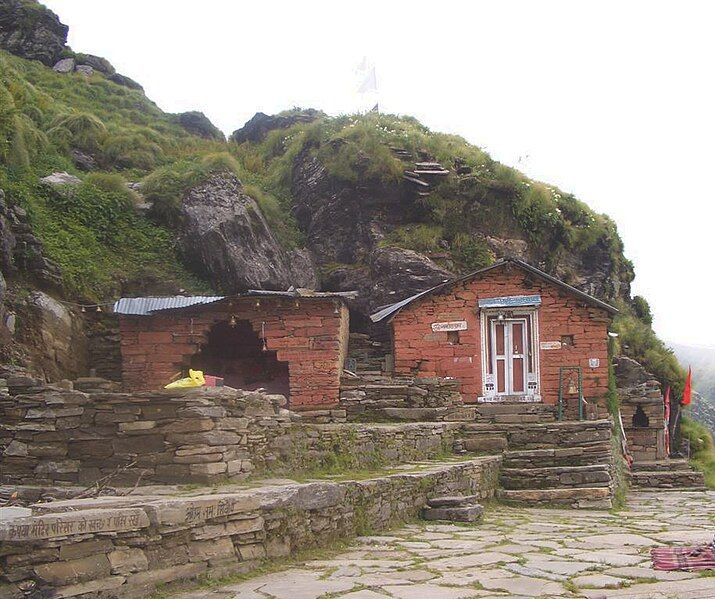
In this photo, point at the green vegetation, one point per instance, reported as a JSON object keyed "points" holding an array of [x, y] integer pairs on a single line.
{"points": [[103, 243], [93, 231], [637, 340], [702, 448]]}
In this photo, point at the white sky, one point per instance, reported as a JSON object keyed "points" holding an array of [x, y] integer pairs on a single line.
{"points": [[612, 101]]}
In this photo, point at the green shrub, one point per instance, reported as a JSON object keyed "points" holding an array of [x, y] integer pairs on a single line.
{"points": [[470, 252], [638, 341], [280, 221], [641, 308], [702, 448], [220, 161], [80, 129], [420, 238], [112, 183]]}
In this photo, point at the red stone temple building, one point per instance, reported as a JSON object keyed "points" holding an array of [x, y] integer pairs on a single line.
{"points": [[291, 342], [508, 332]]}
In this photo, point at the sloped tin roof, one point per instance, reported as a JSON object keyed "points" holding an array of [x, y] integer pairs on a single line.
{"points": [[145, 306], [391, 311]]}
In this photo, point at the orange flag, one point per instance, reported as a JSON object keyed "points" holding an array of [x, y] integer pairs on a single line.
{"points": [[687, 392]]}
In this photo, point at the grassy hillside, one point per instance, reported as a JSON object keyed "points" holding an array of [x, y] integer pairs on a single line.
{"points": [[105, 245], [94, 232]]}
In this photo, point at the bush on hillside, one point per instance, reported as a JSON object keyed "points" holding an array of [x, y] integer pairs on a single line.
{"points": [[702, 448]]}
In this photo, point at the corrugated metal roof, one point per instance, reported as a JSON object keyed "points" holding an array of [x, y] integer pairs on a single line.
{"points": [[512, 301], [143, 306], [393, 309]]}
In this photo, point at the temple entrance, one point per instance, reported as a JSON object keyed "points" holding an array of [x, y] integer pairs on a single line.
{"points": [[236, 353]]}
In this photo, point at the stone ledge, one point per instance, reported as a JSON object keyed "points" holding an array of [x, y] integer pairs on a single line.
{"points": [[141, 541]]}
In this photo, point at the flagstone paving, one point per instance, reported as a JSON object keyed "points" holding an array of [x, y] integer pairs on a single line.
{"points": [[515, 552]]}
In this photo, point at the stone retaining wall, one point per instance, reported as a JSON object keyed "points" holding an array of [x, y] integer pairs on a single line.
{"points": [[56, 435], [126, 546]]}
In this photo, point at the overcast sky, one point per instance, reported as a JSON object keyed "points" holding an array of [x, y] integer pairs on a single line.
{"points": [[612, 101]]}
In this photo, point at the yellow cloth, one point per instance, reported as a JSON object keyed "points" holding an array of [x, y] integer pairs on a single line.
{"points": [[195, 379]]}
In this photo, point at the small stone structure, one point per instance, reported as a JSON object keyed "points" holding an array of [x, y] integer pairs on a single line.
{"points": [[642, 410], [293, 343], [126, 546]]}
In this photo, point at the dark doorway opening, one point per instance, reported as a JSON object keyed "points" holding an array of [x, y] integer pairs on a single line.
{"points": [[640, 418], [235, 352]]}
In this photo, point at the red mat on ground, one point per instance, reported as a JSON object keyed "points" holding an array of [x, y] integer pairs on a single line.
{"points": [[700, 557]]}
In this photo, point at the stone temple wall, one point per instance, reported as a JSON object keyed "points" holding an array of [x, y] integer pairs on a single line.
{"points": [[126, 546], [59, 436]]}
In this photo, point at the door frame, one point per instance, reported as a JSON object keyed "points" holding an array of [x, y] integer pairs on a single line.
{"points": [[508, 356], [532, 379]]}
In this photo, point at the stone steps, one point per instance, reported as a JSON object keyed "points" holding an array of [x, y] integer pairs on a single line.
{"points": [[515, 412], [592, 434], [599, 453], [456, 508], [661, 465], [592, 475], [676, 480], [584, 497]]}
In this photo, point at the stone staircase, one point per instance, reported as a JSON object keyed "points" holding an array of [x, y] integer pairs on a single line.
{"points": [[564, 463], [515, 412], [676, 475]]}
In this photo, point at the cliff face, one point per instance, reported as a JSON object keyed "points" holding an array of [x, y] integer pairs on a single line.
{"points": [[32, 31]]}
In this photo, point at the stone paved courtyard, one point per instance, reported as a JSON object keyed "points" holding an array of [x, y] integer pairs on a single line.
{"points": [[515, 552]]}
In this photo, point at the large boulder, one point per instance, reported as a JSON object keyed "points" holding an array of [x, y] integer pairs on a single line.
{"points": [[260, 124], [630, 373], [59, 340], [125, 81], [225, 236], [389, 275], [97, 63], [61, 179], [197, 123], [30, 30]]}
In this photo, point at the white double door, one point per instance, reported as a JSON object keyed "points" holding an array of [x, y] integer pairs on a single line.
{"points": [[510, 352]]}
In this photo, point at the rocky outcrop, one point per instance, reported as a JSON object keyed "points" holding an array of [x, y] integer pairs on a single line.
{"points": [[96, 62], [389, 275], [197, 123], [30, 30], [256, 129], [22, 252], [630, 373], [346, 226], [125, 81], [225, 236], [60, 344]]}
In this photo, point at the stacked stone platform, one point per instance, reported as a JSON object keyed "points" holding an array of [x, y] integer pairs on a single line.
{"points": [[126, 546], [378, 398], [458, 508], [676, 475], [567, 463]]}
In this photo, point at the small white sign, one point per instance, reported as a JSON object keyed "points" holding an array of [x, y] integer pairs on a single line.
{"points": [[594, 362], [550, 345], [454, 325]]}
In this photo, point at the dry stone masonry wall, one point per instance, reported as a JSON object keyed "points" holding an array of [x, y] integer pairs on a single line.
{"points": [[126, 546], [52, 435]]}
